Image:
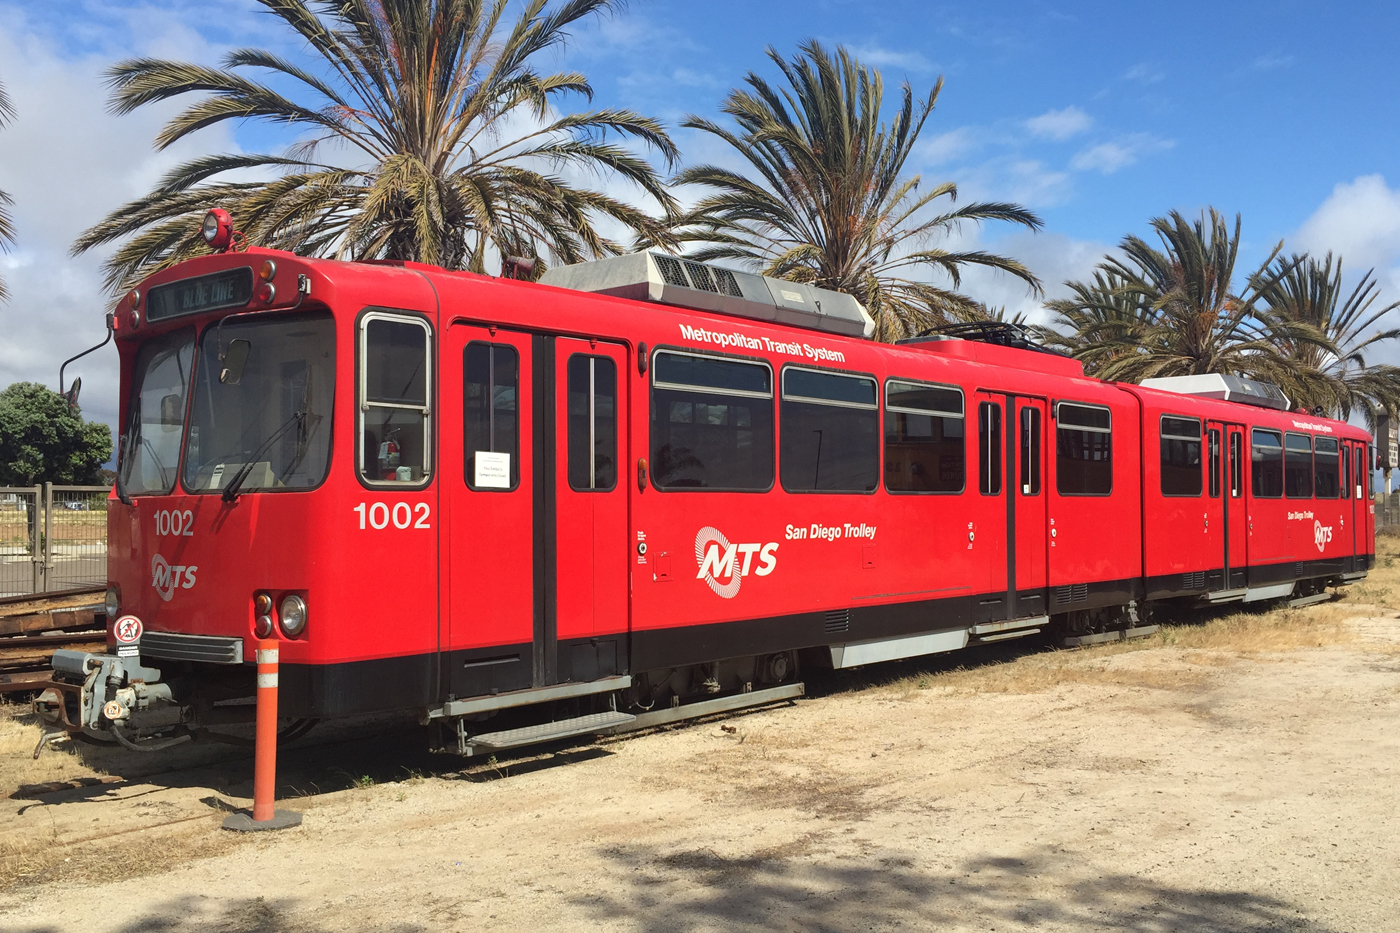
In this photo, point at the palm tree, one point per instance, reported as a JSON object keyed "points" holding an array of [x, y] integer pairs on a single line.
{"points": [[7, 223], [438, 132], [1309, 292], [827, 201], [1173, 311]]}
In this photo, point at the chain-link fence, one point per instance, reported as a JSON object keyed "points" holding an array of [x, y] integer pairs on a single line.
{"points": [[52, 538], [1387, 510]]}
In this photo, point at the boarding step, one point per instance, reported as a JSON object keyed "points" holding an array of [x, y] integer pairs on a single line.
{"points": [[1312, 600], [499, 701], [1140, 631], [1009, 628], [1353, 576], [729, 704], [1226, 596], [548, 731]]}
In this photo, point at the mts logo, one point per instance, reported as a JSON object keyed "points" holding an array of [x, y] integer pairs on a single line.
{"points": [[1321, 535], [166, 579], [723, 566]]}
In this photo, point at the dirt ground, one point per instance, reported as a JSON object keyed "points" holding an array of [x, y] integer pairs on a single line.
{"points": [[1237, 774]]}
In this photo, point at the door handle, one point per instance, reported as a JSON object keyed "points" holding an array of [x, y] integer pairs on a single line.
{"points": [[642, 474]]}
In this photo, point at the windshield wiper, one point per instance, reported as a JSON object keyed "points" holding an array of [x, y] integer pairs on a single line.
{"points": [[235, 484]]}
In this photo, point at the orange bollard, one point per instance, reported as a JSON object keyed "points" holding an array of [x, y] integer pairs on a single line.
{"points": [[265, 815], [265, 752]]}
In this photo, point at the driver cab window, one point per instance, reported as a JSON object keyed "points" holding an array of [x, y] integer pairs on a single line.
{"points": [[394, 399]]}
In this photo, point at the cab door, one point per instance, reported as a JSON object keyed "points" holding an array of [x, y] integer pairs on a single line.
{"points": [[592, 560], [987, 532], [492, 630], [1031, 533], [1236, 516]]}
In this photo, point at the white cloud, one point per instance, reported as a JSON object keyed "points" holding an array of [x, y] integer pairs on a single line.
{"points": [[1145, 73], [67, 162], [951, 145], [1360, 220], [1060, 124], [1271, 61], [1053, 257], [880, 57], [1107, 158]]}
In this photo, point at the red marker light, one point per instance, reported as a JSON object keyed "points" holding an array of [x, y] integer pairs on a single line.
{"points": [[267, 292]]}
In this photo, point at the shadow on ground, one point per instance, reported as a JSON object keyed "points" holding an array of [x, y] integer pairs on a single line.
{"points": [[700, 890]]}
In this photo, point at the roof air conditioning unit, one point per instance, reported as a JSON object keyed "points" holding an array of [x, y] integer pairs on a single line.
{"points": [[1225, 388], [684, 283]]}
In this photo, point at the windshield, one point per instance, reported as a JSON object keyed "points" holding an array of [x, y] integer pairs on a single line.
{"points": [[266, 406], [150, 446]]}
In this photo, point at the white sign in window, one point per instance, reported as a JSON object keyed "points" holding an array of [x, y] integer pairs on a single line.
{"points": [[492, 470]]}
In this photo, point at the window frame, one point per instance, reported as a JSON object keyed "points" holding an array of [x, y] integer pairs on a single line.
{"points": [[1215, 459], [927, 413], [1312, 466], [654, 384], [1199, 439], [593, 359], [1282, 462], [362, 406], [515, 468], [1336, 454], [995, 467], [782, 396], [1030, 458], [1092, 430], [1235, 453]]}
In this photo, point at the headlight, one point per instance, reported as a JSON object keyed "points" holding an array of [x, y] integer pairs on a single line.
{"points": [[292, 616], [113, 603]]}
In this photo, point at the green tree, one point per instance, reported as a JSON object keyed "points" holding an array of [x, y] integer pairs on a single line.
{"points": [[1309, 292], [826, 200], [41, 441], [1174, 311], [7, 224], [445, 137]]}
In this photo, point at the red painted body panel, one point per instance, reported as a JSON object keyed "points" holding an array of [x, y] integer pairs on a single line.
{"points": [[465, 578]]}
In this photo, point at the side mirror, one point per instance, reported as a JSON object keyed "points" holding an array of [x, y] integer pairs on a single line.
{"points": [[172, 412], [234, 360]]}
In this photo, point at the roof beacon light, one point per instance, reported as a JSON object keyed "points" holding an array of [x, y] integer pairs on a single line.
{"points": [[218, 229]]}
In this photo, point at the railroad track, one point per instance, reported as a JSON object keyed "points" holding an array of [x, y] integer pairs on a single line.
{"points": [[33, 627]]}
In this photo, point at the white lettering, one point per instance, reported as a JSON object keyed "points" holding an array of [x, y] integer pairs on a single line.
{"points": [[714, 566], [769, 561], [189, 577], [748, 551]]}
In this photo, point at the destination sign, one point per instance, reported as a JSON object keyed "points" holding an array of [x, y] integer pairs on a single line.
{"points": [[229, 289]]}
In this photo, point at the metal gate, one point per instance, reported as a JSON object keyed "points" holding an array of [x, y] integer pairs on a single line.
{"points": [[52, 538]]}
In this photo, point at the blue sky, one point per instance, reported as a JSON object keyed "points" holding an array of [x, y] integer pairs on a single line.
{"points": [[1096, 115]]}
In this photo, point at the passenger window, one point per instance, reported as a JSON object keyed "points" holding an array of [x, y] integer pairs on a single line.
{"points": [[1266, 465], [1346, 471], [1363, 464], [711, 423], [1236, 465], [1030, 451], [1326, 468], [394, 398], [989, 443], [1213, 464], [1083, 450], [1181, 456], [491, 415], [925, 438], [1298, 466], [592, 422], [829, 434]]}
